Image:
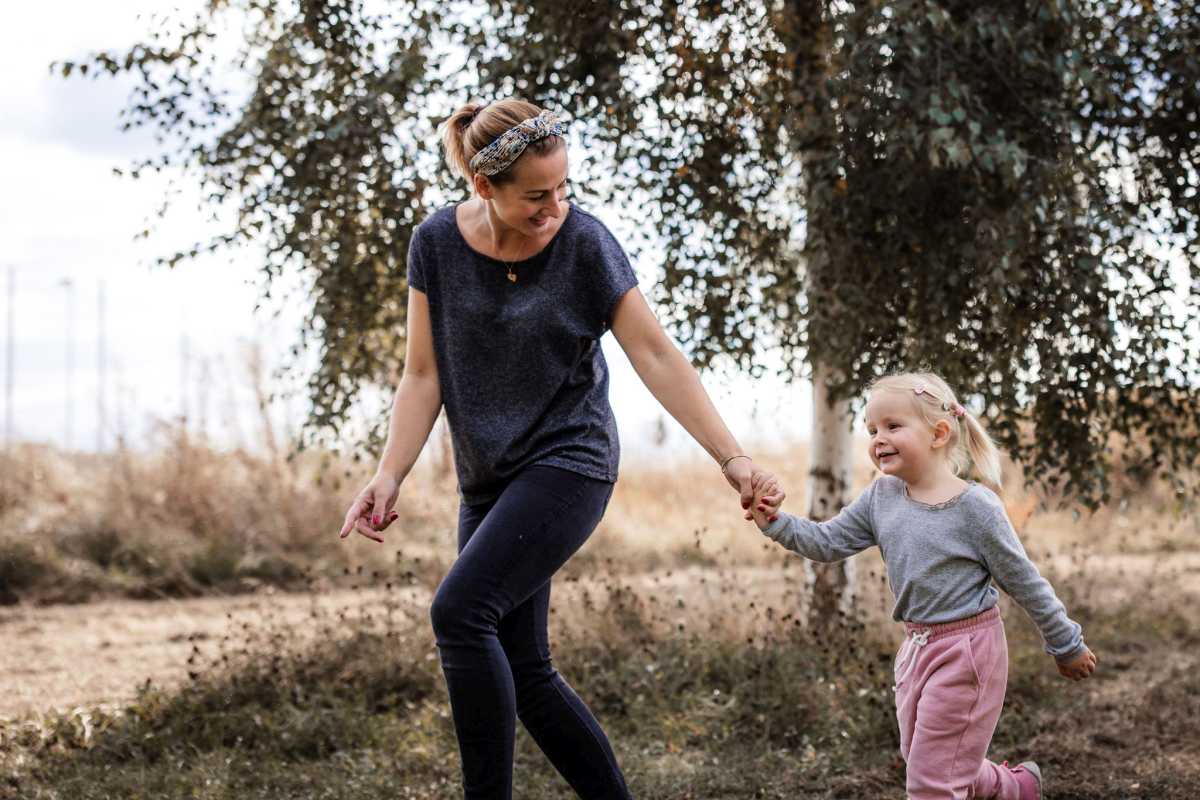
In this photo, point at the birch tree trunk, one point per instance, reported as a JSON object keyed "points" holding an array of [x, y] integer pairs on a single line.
{"points": [[808, 35], [831, 461], [443, 455], [813, 132]]}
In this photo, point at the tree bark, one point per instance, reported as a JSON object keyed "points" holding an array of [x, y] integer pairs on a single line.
{"points": [[808, 36], [831, 463]]}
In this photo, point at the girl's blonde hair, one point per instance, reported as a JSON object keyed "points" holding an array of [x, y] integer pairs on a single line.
{"points": [[934, 400], [476, 125]]}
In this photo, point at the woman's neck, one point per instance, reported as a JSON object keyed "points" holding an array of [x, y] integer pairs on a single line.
{"points": [[486, 232], [499, 235]]}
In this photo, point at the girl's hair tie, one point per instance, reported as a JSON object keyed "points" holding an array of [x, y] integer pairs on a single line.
{"points": [[954, 408]]}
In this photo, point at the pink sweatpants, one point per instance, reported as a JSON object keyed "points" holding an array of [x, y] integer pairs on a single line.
{"points": [[950, 682]]}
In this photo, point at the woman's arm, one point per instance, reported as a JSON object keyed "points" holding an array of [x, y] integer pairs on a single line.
{"points": [[414, 410], [673, 381], [418, 397]]}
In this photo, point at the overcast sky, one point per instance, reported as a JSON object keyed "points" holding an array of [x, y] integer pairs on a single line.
{"points": [[176, 339]]}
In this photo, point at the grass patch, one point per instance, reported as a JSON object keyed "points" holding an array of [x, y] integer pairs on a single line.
{"points": [[21, 567], [358, 710]]}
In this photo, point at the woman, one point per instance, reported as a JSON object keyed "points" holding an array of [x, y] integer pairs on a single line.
{"points": [[509, 295]]}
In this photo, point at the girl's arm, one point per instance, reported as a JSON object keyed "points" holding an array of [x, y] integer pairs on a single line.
{"points": [[414, 410], [1013, 572], [673, 381], [848, 533]]}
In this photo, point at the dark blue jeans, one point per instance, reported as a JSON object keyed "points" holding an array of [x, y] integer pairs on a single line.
{"points": [[489, 617]]}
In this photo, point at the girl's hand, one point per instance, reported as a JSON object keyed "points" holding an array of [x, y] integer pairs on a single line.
{"points": [[1080, 668], [371, 512], [768, 497]]}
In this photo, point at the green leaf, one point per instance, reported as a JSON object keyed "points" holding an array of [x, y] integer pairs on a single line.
{"points": [[825, 184]]}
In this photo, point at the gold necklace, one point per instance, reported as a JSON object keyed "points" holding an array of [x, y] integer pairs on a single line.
{"points": [[508, 265]]}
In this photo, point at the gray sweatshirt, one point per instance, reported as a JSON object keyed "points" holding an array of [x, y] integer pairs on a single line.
{"points": [[941, 559]]}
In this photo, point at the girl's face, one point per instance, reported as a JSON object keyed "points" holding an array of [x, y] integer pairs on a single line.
{"points": [[535, 196], [902, 442]]}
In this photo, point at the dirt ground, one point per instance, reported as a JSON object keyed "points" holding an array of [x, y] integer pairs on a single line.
{"points": [[64, 657]]}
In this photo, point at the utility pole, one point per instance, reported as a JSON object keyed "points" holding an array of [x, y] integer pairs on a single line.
{"points": [[101, 369], [185, 363], [69, 287], [10, 356]]}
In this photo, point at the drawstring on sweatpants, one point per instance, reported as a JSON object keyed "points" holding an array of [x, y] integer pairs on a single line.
{"points": [[908, 652]]}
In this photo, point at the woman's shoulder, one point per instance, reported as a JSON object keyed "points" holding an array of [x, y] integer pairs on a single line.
{"points": [[442, 222], [585, 220], [584, 227], [588, 238]]}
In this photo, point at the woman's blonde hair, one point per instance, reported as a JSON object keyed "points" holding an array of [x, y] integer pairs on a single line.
{"points": [[476, 125], [934, 400]]}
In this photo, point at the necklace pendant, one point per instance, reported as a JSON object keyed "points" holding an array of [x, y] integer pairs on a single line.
{"points": [[512, 276]]}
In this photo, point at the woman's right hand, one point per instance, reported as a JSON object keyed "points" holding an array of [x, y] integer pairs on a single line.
{"points": [[371, 511]]}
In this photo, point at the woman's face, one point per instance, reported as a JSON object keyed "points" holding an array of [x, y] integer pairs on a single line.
{"points": [[535, 196]]}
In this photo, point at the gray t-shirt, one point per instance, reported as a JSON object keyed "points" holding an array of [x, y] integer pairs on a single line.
{"points": [[941, 559], [522, 374]]}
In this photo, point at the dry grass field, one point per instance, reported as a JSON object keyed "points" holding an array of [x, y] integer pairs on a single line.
{"points": [[187, 624]]}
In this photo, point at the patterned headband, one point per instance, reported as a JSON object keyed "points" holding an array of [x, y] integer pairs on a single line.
{"points": [[500, 154]]}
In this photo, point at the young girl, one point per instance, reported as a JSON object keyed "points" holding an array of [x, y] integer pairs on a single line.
{"points": [[944, 540]]}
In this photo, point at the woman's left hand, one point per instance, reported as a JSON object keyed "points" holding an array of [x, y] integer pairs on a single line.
{"points": [[740, 473]]}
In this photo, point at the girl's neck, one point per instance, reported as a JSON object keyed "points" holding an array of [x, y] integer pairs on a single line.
{"points": [[935, 486]]}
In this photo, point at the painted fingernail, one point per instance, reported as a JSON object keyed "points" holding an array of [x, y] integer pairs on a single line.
{"points": [[772, 518], [762, 508], [745, 504], [393, 515], [374, 520]]}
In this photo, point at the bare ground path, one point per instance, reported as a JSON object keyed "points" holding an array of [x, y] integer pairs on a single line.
{"points": [[63, 657]]}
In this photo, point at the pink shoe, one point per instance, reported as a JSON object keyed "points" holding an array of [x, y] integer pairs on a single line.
{"points": [[1029, 779]]}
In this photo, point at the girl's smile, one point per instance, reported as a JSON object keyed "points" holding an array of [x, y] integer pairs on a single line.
{"points": [[902, 444]]}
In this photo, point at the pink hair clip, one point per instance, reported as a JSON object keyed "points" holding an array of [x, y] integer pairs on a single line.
{"points": [[957, 410]]}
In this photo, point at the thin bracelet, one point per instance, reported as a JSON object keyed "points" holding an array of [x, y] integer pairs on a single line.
{"points": [[725, 463]]}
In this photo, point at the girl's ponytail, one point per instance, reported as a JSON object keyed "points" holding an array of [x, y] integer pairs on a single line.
{"points": [[984, 454]]}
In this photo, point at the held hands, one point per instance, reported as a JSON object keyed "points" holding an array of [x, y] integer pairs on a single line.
{"points": [[1083, 666], [371, 512], [768, 497], [748, 479]]}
